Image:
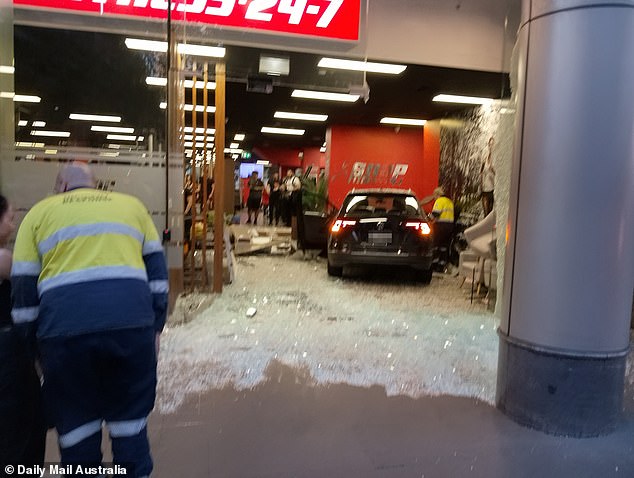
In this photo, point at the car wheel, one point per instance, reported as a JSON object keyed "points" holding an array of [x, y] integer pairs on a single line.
{"points": [[425, 276], [335, 271]]}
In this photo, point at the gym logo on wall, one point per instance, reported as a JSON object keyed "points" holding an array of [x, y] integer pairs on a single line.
{"points": [[377, 173]]}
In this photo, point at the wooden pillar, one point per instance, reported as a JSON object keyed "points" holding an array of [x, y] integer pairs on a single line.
{"points": [[219, 193]]}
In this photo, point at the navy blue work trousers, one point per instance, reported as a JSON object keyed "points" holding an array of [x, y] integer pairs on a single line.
{"points": [[101, 377]]}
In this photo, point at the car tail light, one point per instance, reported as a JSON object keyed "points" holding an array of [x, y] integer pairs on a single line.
{"points": [[341, 224], [422, 227]]}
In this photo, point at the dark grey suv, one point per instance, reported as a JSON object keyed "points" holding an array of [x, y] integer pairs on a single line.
{"points": [[380, 227]]}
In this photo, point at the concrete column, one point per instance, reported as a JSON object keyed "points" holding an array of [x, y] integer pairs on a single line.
{"points": [[569, 270]]}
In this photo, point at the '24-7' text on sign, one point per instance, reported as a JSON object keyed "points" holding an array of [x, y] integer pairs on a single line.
{"points": [[334, 19]]}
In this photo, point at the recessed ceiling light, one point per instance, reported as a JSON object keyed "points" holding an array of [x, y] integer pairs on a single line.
{"points": [[23, 123], [39, 124], [324, 95], [290, 131], [403, 121], [356, 65], [111, 129], [469, 100], [103, 118], [300, 116], [234, 145], [56, 134], [239, 137], [233, 150]]}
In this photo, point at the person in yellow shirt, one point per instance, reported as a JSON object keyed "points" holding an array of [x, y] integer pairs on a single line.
{"points": [[443, 213]]}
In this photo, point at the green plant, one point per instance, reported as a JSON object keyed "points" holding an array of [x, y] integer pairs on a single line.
{"points": [[315, 194]]}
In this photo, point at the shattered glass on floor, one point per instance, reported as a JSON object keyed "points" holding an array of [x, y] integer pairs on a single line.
{"points": [[392, 331]]}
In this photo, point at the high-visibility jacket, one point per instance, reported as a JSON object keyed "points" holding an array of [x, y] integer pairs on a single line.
{"points": [[86, 261], [443, 208]]}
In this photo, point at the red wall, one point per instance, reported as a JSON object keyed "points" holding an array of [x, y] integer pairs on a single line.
{"points": [[287, 158], [363, 157], [315, 158]]}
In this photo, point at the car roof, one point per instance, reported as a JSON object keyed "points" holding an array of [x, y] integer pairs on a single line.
{"points": [[382, 191]]}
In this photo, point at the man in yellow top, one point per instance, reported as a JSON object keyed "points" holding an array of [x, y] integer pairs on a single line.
{"points": [[90, 284], [443, 212]]}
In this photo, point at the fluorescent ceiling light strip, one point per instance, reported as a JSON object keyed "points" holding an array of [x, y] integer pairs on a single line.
{"points": [[121, 137], [239, 137], [189, 129], [324, 95], [23, 123], [469, 100], [7, 94], [300, 116], [201, 50], [86, 117], [356, 65], [111, 129], [403, 121], [7, 70], [157, 81], [39, 124], [27, 98], [24, 144], [234, 145], [289, 131], [199, 108], [147, 45], [184, 48], [55, 134], [233, 151], [263, 162], [50, 151], [199, 84]]}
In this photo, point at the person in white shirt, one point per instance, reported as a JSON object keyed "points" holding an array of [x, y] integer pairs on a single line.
{"points": [[291, 195]]}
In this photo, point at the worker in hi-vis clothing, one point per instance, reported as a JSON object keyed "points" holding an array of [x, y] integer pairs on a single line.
{"points": [[90, 285]]}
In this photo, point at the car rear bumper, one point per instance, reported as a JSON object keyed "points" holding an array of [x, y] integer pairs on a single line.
{"points": [[339, 259]]}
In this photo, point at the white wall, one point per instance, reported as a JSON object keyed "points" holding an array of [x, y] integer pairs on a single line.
{"points": [[472, 34], [459, 34]]}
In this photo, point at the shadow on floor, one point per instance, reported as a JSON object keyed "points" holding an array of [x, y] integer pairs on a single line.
{"points": [[290, 427]]}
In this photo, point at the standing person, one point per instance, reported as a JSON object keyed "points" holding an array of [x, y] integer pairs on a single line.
{"points": [[275, 197], [22, 424], [255, 197], [443, 213], [487, 180], [90, 282], [291, 191]]}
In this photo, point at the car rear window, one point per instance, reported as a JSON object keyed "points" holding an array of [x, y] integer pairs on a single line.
{"points": [[368, 204]]}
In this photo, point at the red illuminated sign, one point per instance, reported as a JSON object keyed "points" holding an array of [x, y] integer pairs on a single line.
{"points": [[336, 19]]}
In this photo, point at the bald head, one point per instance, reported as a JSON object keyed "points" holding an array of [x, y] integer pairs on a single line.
{"points": [[73, 175]]}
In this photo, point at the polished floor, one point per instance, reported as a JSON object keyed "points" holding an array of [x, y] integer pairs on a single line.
{"points": [[287, 427]]}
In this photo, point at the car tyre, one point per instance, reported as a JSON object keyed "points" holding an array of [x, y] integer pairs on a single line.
{"points": [[335, 271], [426, 275]]}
